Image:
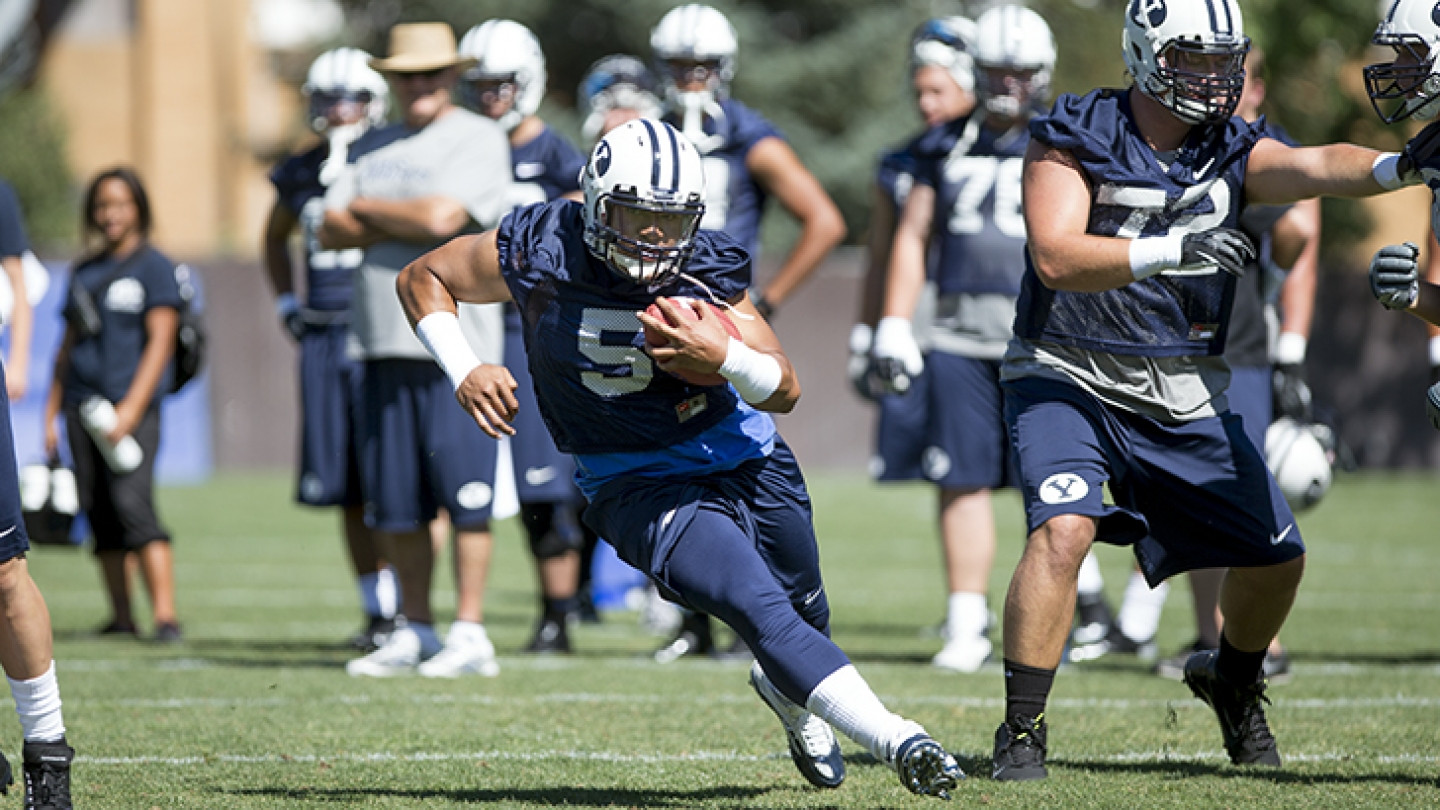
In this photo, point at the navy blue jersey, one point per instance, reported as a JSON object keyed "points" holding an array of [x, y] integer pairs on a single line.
{"points": [[598, 390], [12, 226], [328, 273], [105, 364], [1174, 313], [895, 175], [550, 162], [977, 225], [734, 201]]}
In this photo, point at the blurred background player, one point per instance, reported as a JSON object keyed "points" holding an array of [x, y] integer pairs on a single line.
{"points": [[1265, 348], [26, 642], [617, 88], [437, 173], [345, 98], [507, 84], [747, 161], [712, 506], [121, 312], [966, 202]]}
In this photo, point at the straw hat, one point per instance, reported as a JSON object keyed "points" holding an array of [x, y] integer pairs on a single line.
{"points": [[418, 47]]}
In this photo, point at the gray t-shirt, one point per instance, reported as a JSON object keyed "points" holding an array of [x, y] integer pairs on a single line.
{"points": [[459, 155]]}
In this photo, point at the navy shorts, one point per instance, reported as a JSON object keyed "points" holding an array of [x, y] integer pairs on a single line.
{"points": [[330, 396], [765, 498], [120, 507], [543, 474], [948, 429], [13, 539], [1188, 495], [1251, 398], [420, 451]]}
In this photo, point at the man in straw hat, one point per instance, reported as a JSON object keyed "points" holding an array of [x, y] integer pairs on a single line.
{"points": [[440, 172]]}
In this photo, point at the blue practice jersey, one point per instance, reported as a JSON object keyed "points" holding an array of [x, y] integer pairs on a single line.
{"points": [[601, 395], [895, 175], [978, 226], [734, 201], [328, 273], [12, 228], [549, 162], [1172, 314]]}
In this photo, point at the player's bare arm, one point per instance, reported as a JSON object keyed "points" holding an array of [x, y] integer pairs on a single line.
{"points": [[776, 166], [421, 219], [905, 274], [430, 290], [701, 344], [1278, 173], [341, 229], [17, 365], [1057, 213]]}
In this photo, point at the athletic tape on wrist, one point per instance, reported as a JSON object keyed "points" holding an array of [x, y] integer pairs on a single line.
{"points": [[1386, 171], [755, 375], [1290, 348], [440, 333], [1151, 254]]}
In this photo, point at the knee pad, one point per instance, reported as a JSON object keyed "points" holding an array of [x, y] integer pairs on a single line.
{"points": [[553, 529]]}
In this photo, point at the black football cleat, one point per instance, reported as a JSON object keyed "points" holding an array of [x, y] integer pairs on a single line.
{"points": [[1240, 710], [47, 775], [551, 636], [1020, 749], [694, 638]]}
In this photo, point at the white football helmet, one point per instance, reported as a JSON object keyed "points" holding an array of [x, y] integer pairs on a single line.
{"points": [[616, 82], [504, 50], [687, 41], [344, 75], [1409, 82], [644, 196], [1298, 457], [1011, 39], [947, 42], [1189, 55]]}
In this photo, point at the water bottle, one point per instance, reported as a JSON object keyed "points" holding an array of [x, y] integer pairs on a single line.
{"points": [[98, 417]]}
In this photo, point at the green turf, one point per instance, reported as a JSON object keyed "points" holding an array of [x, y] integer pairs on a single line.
{"points": [[255, 710]]}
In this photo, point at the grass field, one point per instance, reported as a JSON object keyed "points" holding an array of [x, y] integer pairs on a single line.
{"points": [[255, 710]]}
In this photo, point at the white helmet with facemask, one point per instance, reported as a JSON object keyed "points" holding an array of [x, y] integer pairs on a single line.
{"points": [[1409, 84], [343, 76], [504, 51], [1011, 40], [688, 40], [949, 43], [1189, 55], [644, 191]]}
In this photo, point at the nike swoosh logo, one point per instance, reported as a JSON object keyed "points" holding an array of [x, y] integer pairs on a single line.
{"points": [[535, 476], [1276, 538], [7, 532], [813, 596]]}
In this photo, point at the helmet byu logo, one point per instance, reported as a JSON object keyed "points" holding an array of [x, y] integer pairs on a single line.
{"points": [[1063, 488], [602, 159], [1435, 14], [1155, 12]]}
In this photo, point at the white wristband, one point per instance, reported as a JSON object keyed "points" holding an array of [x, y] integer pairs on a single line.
{"points": [[755, 375], [1386, 171], [862, 337], [441, 335], [1290, 349], [1435, 351], [1151, 254], [286, 305]]}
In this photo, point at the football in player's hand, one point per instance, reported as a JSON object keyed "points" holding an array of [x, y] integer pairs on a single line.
{"points": [[654, 338]]}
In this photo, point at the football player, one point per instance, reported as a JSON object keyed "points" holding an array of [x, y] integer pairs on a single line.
{"points": [[691, 482], [345, 98], [26, 642], [747, 161], [966, 203], [506, 84], [617, 88], [1115, 379]]}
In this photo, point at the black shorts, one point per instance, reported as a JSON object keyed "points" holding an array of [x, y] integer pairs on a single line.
{"points": [[121, 508]]}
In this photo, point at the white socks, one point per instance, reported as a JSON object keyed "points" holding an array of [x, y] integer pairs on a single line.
{"points": [[1090, 581], [967, 615], [846, 701], [1140, 612], [465, 634], [379, 593], [37, 702]]}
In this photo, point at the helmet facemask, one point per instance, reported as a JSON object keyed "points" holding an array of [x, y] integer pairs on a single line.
{"points": [[1013, 93], [1200, 82], [647, 240], [1406, 85]]}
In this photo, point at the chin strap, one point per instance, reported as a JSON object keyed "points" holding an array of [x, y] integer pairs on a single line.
{"points": [[340, 140]]}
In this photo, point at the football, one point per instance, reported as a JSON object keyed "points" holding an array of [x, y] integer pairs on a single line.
{"points": [[656, 339]]}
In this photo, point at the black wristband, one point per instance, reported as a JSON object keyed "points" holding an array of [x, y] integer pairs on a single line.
{"points": [[761, 303]]}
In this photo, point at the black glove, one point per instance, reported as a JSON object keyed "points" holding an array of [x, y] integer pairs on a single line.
{"points": [[1395, 275], [1422, 152], [1290, 394], [1432, 405], [1435, 375], [1226, 248], [294, 323]]}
